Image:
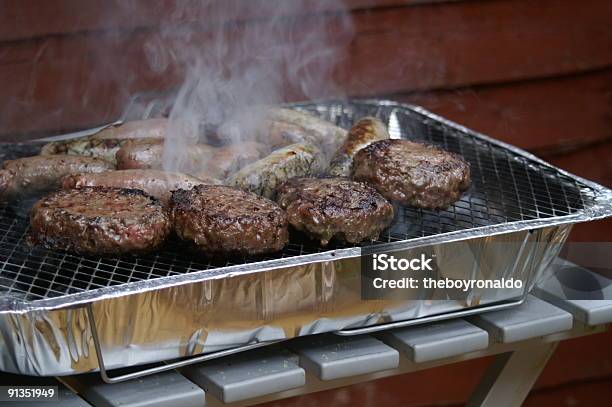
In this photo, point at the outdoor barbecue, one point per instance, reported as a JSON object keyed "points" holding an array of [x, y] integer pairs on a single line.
{"points": [[234, 202], [510, 222]]}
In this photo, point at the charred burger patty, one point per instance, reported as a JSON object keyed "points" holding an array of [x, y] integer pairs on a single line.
{"points": [[413, 173], [325, 208], [219, 219], [99, 220]]}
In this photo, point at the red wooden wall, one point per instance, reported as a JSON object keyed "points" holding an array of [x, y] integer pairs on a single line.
{"points": [[537, 74]]}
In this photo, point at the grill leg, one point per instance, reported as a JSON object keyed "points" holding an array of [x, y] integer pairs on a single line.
{"points": [[162, 368], [508, 380]]}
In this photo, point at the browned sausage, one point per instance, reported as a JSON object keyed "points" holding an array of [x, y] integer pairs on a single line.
{"points": [[105, 143], [141, 155], [33, 175], [280, 127], [362, 134], [150, 155], [228, 159], [265, 175], [156, 183]]}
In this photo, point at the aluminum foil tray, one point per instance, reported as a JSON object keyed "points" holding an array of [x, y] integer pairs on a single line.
{"points": [[176, 303]]}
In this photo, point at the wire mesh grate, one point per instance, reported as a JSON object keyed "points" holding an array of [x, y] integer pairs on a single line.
{"points": [[506, 187]]}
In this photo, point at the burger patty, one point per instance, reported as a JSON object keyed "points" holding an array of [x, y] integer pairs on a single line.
{"points": [[413, 173], [99, 220], [220, 219], [327, 208]]}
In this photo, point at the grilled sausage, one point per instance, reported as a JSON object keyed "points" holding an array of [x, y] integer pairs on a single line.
{"points": [[280, 134], [322, 133], [158, 184], [33, 175], [279, 127], [85, 146], [228, 159], [150, 155], [362, 134], [109, 140], [265, 175], [142, 155]]}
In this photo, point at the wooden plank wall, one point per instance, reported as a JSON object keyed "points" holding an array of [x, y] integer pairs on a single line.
{"points": [[63, 66], [535, 74]]}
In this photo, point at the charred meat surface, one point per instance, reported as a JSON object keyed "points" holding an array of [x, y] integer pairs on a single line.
{"points": [[99, 220], [413, 173], [363, 133], [327, 208], [34, 175], [219, 219], [265, 175], [158, 184]]}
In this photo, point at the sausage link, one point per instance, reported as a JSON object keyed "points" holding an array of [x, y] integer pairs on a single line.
{"points": [[156, 183], [362, 134], [265, 175], [33, 175]]}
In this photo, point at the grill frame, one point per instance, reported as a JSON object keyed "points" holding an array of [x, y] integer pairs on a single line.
{"points": [[596, 202]]}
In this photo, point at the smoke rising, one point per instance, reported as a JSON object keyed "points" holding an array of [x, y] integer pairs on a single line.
{"points": [[288, 52]]}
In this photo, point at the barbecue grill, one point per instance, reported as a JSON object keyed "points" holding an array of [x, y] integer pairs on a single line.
{"points": [[64, 311], [521, 340]]}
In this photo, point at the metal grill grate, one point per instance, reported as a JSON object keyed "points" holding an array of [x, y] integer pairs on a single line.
{"points": [[506, 187]]}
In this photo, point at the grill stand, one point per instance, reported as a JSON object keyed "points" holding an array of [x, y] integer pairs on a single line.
{"points": [[164, 367], [433, 318], [214, 355], [510, 377]]}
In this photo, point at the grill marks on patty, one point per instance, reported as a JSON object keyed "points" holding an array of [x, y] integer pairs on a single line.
{"points": [[99, 220], [413, 173], [219, 219], [327, 208]]}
